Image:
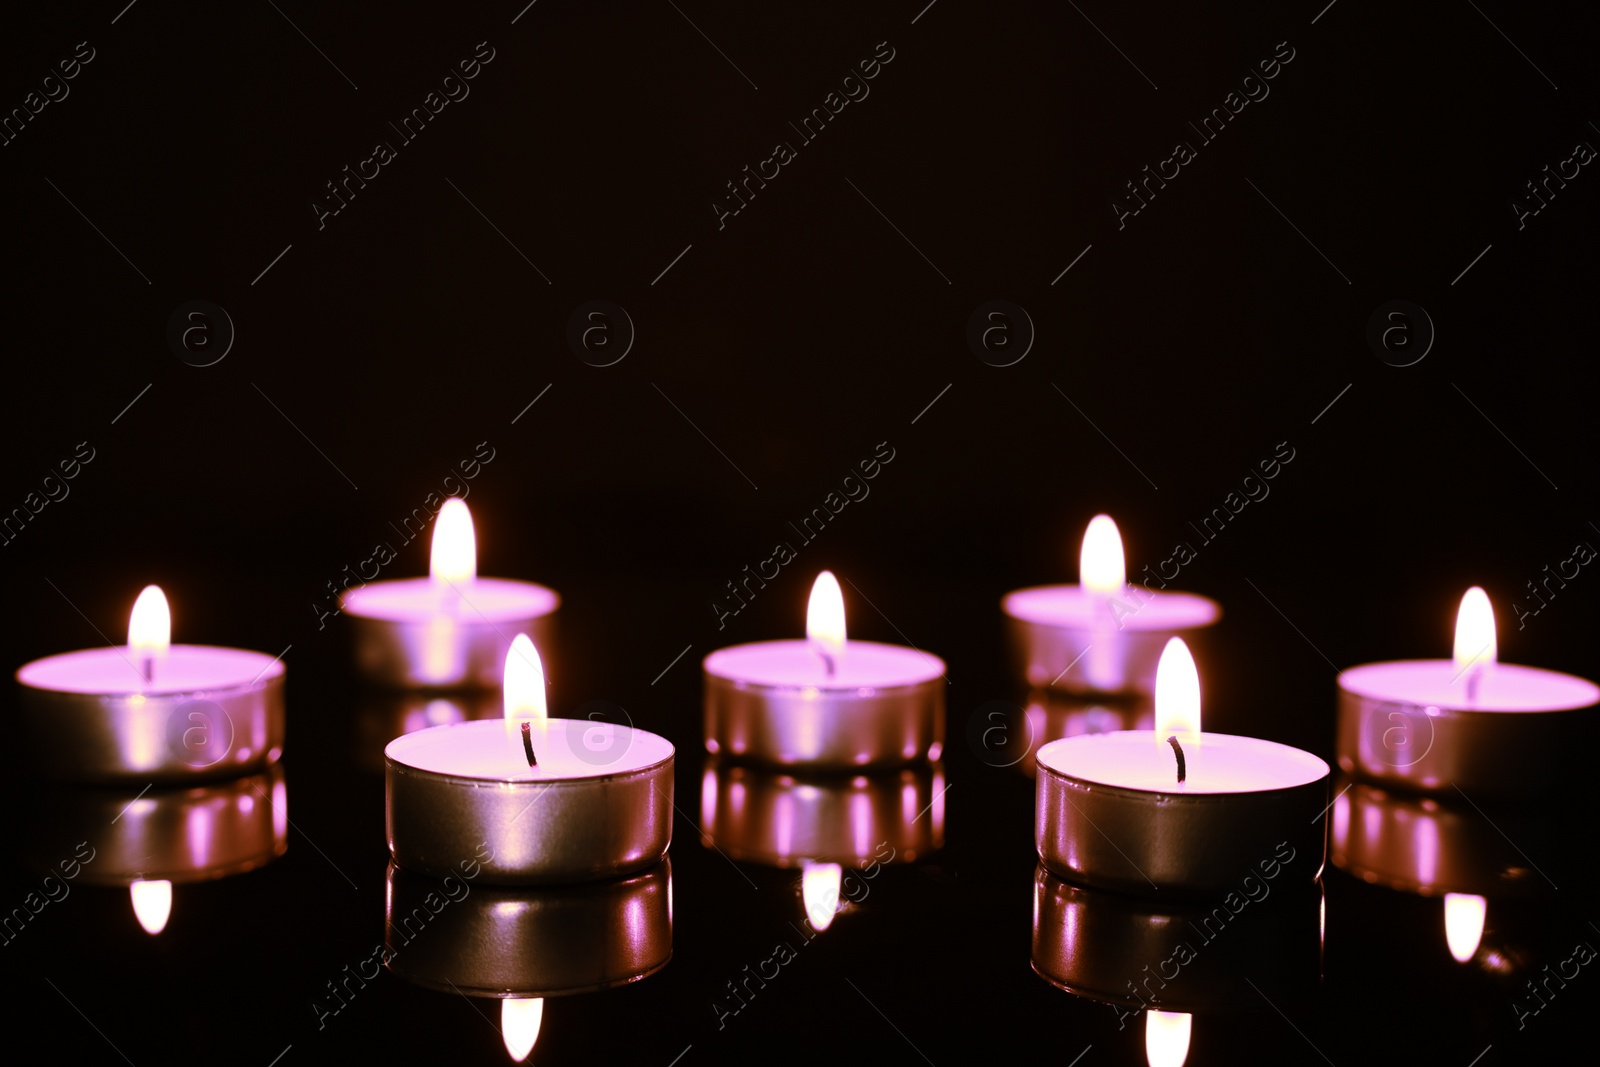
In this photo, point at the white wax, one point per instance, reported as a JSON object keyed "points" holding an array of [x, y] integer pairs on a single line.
{"points": [[117, 669], [861, 665], [566, 749], [1135, 608], [1217, 763], [477, 600], [1501, 686]]}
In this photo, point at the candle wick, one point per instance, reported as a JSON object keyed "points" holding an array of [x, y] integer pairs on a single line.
{"points": [[1472, 683], [1177, 750], [527, 744], [148, 668]]}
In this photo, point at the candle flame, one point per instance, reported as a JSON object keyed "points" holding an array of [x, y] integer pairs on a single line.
{"points": [[152, 903], [1463, 923], [454, 557], [1101, 567], [819, 891], [825, 615], [150, 624], [1177, 694], [1475, 639], [1166, 1037], [523, 689], [519, 1024]]}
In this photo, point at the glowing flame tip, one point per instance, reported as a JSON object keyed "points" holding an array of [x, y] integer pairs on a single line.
{"points": [[1101, 566], [819, 891], [150, 623], [1464, 914], [825, 614], [1475, 638], [523, 690], [454, 556], [1177, 693], [1166, 1037]]}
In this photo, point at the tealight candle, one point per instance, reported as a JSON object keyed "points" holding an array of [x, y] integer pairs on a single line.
{"points": [[1467, 722], [1174, 809], [825, 702], [451, 629], [151, 711], [554, 800], [1105, 635]]}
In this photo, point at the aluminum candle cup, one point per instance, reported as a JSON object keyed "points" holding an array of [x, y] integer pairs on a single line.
{"points": [[1407, 724], [775, 819], [1422, 846], [597, 805], [1468, 722], [1189, 957], [825, 703], [1065, 637], [1104, 636], [151, 711], [421, 634], [774, 702], [1111, 814], [190, 834], [485, 941]]}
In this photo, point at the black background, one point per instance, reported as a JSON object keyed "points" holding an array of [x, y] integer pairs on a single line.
{"points": [[380, 349]]}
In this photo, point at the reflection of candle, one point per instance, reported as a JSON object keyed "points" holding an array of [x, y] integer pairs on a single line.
{"points": [[150, 839], [1433, 848], [776, 818], [591, 800], [825, 701], [1145, 954], [451, 629], [1468, 722], [152, 711], [1174, 808], [523, 945], [1166, 1037], [1104, 635]]}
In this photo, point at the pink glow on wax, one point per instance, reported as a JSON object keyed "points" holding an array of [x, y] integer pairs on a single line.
{"points": [[182, 669], [1501, 686], [481, 600], [1224, 763], [795, 664], [1135, 608], [483, 750]]}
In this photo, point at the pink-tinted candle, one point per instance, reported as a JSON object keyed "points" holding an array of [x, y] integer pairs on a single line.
{"points": [[1104, 635], [151, 711], [826, 701], [452, 629], [1174, 809], [531, 799], [1468, 723]]}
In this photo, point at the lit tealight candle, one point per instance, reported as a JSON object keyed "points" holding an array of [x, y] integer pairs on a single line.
{"points": [[824, 702], [1105, 635], [1468, 722], [451, 629], [553, 800], [1175, 809], [151, 711]]}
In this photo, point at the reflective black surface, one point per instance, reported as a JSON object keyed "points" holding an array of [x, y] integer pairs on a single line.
{"points": [[391, 346]]}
